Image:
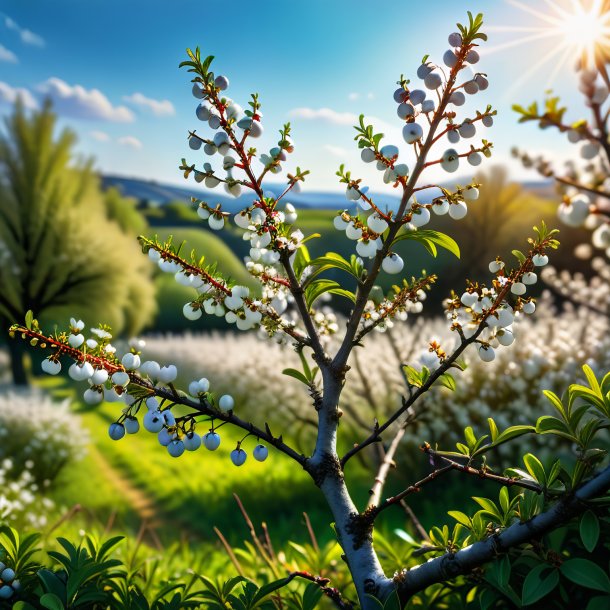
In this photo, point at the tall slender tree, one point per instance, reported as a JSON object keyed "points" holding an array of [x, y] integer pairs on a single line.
{"points": [[59, 251]]}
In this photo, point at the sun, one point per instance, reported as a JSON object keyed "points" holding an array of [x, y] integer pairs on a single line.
{"points": [[586, 29], [576, 30]]}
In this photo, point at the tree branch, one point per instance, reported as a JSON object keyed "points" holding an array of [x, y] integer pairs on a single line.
{"points": [[451, 565]]}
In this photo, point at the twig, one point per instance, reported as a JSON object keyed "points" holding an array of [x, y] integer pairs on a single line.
{"points": [[229, 551], [312, 535]]}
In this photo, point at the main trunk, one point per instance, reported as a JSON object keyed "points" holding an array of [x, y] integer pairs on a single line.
{"points": [[354, 531]]}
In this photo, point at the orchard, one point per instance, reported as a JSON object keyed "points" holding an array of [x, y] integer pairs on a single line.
{"points": [[536, 537]]}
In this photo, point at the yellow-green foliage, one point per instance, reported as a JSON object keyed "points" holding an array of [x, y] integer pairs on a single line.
{"points": [[60, 254]]}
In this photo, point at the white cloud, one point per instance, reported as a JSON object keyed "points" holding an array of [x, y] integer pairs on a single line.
{"points": [[336, 151], [10, 94], [77, 102], [326, 115], [7, 56], [370, 95], [27, 36], [100, 136], [157, 107], [130, 142]]}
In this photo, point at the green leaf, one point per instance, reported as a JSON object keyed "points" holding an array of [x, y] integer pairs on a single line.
{"points": [[430, 238], [447, 380], [461, 518], [513, 432], [535, 468], [556, 402], [51, 601], [586, 573], [589, 530], [331, 260], [535, 587], [493, 429], [319, 287], [301, 260], [29, 317], [413, 376], [519, 256], [547, 424], [590, 375], [296, 375]]}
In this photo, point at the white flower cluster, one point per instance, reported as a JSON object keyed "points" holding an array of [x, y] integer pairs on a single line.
{"points": [[222, 112], [263, 226], [381, 316], [479, 301], [577, 211], [593, 293], [33, 427], [368, 231], [22, 502], [269, 232]]}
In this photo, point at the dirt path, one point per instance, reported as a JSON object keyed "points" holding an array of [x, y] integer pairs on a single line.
{"points": [[142, 504]]}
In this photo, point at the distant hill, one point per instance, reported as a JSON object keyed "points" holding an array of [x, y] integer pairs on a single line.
{"points": [[154, 193]]}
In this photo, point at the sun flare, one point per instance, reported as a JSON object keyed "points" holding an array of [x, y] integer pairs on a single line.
{"points": [[576, 31]]}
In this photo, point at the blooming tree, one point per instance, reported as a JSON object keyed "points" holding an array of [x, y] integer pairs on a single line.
{"points": [[287, 307]]}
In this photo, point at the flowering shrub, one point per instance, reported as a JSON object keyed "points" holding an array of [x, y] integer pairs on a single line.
{"points": [[37, 431], [480, 317]]}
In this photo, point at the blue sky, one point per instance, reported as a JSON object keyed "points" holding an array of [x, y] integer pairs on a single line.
{"points": [[112, 68]]}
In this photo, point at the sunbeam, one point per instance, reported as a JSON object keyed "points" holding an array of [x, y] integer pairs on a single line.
{"points": [[578, 30]]}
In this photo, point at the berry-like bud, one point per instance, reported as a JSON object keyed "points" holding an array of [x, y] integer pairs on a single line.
{"points": [[450, 161], [412, 132], [453, 136], [50, 367], [392, 263], [211, 441], [132, 425], [455, 40], [458, 210], [433, 81], [260, 453], [540, 260], [486, 353], [449, 58], [116, 431], [222, 82], [238, 456], [226, 403], [175, 448], [192, 441]]}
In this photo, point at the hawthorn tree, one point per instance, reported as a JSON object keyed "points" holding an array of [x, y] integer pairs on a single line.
{"points": [[291, 282]]}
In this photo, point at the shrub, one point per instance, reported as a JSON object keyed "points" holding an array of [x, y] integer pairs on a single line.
{"points": [[35, 428]]}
